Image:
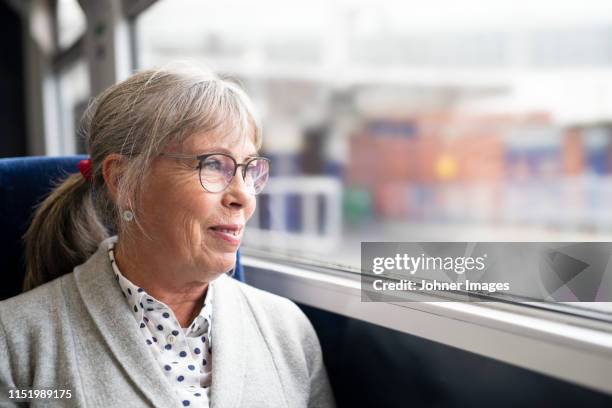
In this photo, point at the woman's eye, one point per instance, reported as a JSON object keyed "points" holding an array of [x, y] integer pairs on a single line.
{"points": [[212, 165]]}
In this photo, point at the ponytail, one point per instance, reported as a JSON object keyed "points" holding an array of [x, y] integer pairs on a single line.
{"points": [[64, 232]]}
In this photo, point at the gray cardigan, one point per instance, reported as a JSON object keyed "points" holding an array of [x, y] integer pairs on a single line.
{"points": [[77, 332]]}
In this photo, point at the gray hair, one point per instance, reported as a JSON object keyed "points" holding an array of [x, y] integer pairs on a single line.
{"points": [[137, 118]]}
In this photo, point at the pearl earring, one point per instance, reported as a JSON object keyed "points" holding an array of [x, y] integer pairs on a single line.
{"points": [[128, 215]]}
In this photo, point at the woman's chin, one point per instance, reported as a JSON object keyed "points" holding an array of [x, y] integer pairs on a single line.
{"points": [[216, 259], [224, 263]]}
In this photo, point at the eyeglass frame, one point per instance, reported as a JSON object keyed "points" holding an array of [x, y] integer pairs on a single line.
{"points": [[200, 158]]}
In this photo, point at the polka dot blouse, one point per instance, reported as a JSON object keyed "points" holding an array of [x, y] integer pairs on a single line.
{"points": [[183, 354]]}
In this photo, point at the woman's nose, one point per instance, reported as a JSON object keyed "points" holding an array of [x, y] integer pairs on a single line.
{"points": [[238, 193]]}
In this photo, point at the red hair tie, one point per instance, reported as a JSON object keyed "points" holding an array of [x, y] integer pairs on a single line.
{"points": [[85, 168]]}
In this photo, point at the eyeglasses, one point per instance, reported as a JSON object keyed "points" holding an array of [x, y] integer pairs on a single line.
{"points": [[217, 170]]}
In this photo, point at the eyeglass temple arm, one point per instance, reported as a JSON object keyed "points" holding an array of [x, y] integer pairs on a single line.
{"points": [[180, 156]]}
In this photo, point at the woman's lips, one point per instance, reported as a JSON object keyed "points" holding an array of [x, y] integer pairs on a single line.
{"points": [[228, 233]]}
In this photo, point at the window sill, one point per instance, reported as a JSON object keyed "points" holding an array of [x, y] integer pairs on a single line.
{"points": [[570, 348]]}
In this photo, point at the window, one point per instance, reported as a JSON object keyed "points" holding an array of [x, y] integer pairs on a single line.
{"points": [[408, 121], [73, 95], [71, 22]]}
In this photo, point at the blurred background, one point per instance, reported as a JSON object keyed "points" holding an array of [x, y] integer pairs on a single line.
{"points": [[413, 121], [465, 120]]}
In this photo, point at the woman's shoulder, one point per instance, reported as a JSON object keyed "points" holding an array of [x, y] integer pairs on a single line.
{"points": [[269, 301], [45, 301], [38, 304], [274, 312]]}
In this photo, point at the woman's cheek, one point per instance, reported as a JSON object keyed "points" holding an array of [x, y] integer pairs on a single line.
{"points": [[188, 233], [251, 210]]}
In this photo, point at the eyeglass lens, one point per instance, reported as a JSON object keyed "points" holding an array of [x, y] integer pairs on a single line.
{"points": [[217, 172]]}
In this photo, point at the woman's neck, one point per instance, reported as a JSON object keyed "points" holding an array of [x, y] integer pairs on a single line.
{"points": [[163, 282]]}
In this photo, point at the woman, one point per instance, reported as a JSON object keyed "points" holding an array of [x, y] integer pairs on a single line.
{"points": [[149, 316]]}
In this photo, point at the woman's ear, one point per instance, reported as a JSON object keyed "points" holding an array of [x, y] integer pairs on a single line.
{"points": [[112, 170]]}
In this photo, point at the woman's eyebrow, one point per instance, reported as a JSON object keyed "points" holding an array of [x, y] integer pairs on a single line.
{"points": [[226, 151]]}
